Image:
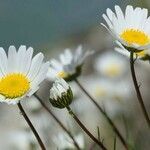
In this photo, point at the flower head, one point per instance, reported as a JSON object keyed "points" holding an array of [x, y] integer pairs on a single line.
{"points": [[111, 65], [20, 74], [61, 94], [69, 66], [112, 95], [25, 138], [131, 29]]}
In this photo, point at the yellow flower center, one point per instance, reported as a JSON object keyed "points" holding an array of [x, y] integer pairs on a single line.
{"points": [[112, 70], [14, 85], [62, 74], [100, 91], [135, 36]]}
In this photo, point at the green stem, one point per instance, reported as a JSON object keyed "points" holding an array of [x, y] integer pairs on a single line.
{"points": [[31, 126], [115, 142], [105, 115], [85, 129], [57, 120], [139, 96]]}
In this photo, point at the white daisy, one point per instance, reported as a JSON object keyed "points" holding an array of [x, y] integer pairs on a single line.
{"points": [[63, 141], [143, 55], [61, 94], [69, 65], [25, 140], [20, 74], [114, 96], [131, 29], [111, 65]]}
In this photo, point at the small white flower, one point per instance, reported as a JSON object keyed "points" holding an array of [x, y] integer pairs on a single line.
{"points": [[20, 74], [143, 55], [131, 29], [63, 141], [60, 94], [114, 96], [111, 65], [21, 141], [69, 65]]}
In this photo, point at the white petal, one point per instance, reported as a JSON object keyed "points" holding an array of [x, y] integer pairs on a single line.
{"points": [[12, 57], [20, 58], [122, 51], [110, 14], [64, 60], [62, 82], [2, 98], [51, 74], [128, 15], [35, 66], [56, 65], [119, 13], [68, 57], [68, 54], [12, 101], [144, 47], [146, 26], [27, 60], [4, 61], [109, 30], [41, 75], [86, 54], [143, 19], [33, 90], [78, 54], [109, 23], [120, 18]]}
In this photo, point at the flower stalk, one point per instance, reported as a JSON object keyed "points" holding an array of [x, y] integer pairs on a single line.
{"points": [[85, 129], [31, 126], [104, 114], [61, 96], [57, 120], [137, 88]]}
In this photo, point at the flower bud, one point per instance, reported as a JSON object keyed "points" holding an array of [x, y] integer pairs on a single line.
{"points": [[61, 94]]}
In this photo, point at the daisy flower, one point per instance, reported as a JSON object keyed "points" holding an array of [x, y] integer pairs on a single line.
{"points": [[20, 74], [131, 29], [25, 138], [111, 65], [143, 55], [69, 65], [114, 96]]}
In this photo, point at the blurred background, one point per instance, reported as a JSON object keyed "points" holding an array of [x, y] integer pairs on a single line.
{"points": [[50, 26]]}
